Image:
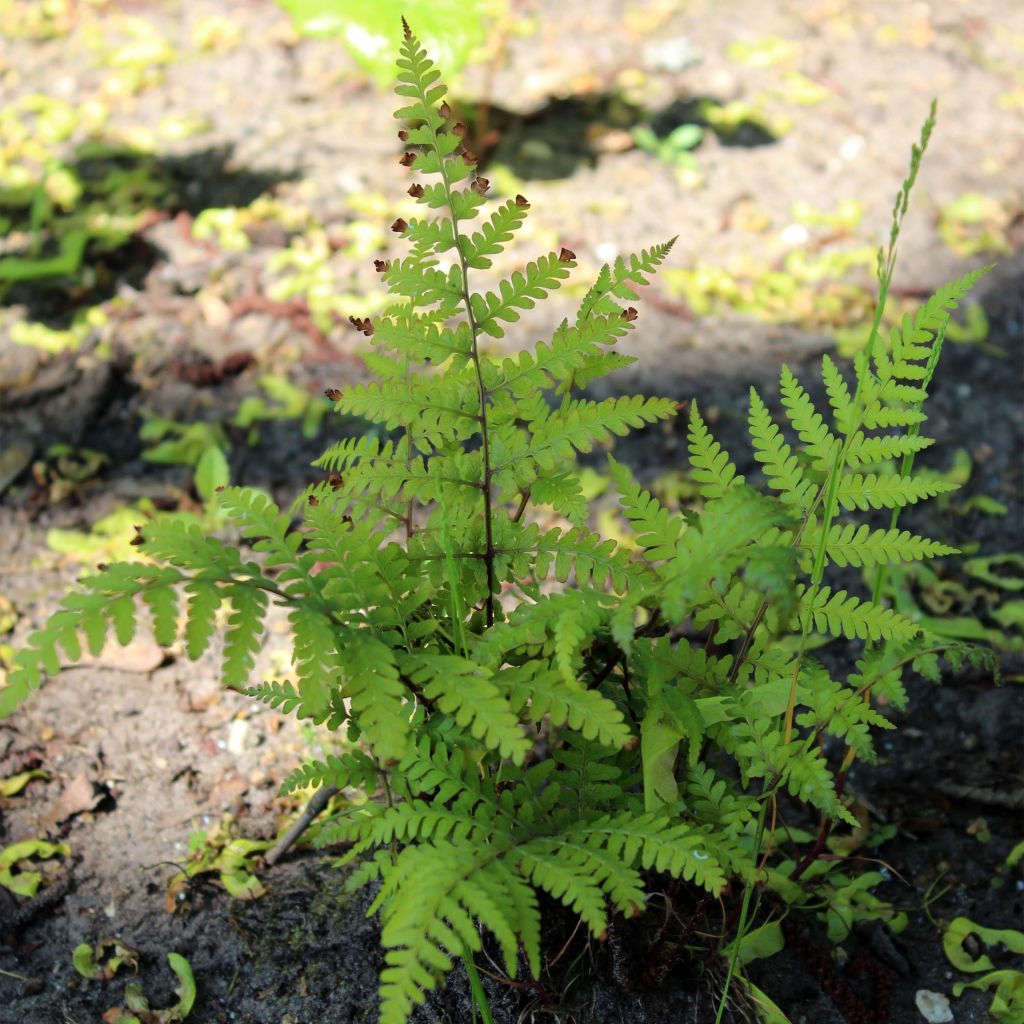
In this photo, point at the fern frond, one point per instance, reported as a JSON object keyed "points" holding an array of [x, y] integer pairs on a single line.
{"points": [[439, 414], [726, 537], [593, 560], [574, 625], [520, 291], [244, 634], [433, 921], [563, 494], [913, 337], [712, 468], [866, 491], [862, 546], [422, 336], [568, 876], [416, 820], [866, 451], [492, 237], [819, 442], [658, 530], [420, 81], [351, 450], [351, 769], [557, 363], [781, 466], [315, 655], [260, 520], [655, 844], [842, 614], [417, 279], [577, 425], [429, 237], [375, 689], [445, 773], [463, 689], [204, 598], [617, 281], [106, 602], [843, 409], [541, 693]]}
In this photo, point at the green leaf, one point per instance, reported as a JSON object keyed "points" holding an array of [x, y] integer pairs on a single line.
{"points": [[23, 882], [104, 962], [186, 987], [212, 471], [1007, 1006], [762, 942], [962, 928], [14, 784], [712, 468], [372, 29]]}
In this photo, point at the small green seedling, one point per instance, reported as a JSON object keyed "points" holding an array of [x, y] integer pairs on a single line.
{"points": [[674, 148], [217, 851], [15, 873], [137, 1009], [1007, 1005], [105, 960]]}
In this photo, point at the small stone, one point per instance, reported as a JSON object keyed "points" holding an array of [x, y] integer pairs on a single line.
{"points": [[795, 234], [933, 1006], [238, 737]]}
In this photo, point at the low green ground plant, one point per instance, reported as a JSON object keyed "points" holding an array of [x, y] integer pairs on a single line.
{"points": [[540, 710]]}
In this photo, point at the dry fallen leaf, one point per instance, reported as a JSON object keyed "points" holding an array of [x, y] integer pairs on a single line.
{"points": [[79, 795]]}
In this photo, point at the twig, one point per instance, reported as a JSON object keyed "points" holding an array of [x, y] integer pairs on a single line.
{"points": [[304, 820]]}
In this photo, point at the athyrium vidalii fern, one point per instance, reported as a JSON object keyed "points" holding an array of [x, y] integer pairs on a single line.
{"points": [[672, 713]]}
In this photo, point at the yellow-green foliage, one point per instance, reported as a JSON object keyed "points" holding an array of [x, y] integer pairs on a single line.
{"points": [[671, 713]]}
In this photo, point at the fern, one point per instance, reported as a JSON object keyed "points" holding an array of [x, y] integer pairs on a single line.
{"points": [[546, 709], [711, 466]]}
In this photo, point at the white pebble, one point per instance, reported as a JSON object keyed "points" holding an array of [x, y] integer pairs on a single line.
{"points": [[933, 1006], [795, 234]]}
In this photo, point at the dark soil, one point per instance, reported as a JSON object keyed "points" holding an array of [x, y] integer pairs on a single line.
{"points": [[141, 750]]}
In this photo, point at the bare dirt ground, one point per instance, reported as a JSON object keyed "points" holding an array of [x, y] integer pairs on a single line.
{"points": [[140, 750]]}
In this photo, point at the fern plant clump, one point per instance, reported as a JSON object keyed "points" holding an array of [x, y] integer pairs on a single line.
{"points": [[544, 710]]}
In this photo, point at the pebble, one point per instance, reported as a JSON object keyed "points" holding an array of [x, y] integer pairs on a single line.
{"points": [[674, 54], [795, 234], [933, 1006]]}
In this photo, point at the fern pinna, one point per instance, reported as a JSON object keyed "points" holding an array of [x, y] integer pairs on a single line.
{"points": [[452, 639]]}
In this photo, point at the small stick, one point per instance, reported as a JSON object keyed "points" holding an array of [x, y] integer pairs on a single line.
{"points": [[304, 820]]}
